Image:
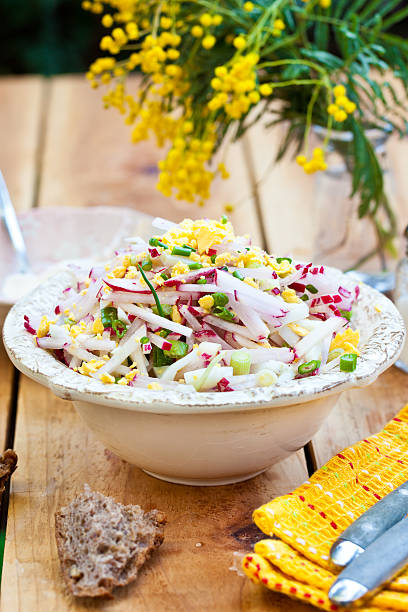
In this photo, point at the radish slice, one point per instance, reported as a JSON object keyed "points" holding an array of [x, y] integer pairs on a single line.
{"points": [[327, 328], [150, 317]]}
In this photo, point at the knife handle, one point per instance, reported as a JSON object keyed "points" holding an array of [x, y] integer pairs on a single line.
{"points": [[374, 522], [376, 565]]}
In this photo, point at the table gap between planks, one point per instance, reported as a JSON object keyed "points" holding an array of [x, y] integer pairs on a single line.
{"points": [[60, 148]]}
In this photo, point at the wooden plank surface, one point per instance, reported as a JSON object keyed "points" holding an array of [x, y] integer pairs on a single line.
{"points": [[205, 525], [20, 117], [87, 161], [95, 165]]}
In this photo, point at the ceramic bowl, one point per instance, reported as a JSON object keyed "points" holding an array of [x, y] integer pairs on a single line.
{"points": [[206, 438]]}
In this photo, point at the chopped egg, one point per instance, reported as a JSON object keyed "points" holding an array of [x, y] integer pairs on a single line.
{"points": [[206, 302], [180, 268], [298, 329], [289, 295], [97, 326], [44, 327], [175, 315], [347, 340], [107, 378]]}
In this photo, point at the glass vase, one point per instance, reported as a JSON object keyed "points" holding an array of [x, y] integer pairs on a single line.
{"points": [[341, 238]]}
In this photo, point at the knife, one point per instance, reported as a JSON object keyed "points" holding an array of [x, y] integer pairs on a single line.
{"points": [[375, 566], [9, 216], [369, 526]]}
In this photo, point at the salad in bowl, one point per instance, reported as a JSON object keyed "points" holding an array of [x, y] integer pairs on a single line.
{"points": [[203, 309], [196, 355]]}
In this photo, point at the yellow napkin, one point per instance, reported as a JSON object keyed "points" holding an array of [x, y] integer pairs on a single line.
{"points": [[305, 523]]}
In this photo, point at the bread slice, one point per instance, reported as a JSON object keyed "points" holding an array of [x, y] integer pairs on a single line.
{"points": [[102, 544], [8, 463]]}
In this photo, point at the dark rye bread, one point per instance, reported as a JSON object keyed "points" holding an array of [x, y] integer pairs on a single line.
{"points": [[102, 544], [8, 463]]}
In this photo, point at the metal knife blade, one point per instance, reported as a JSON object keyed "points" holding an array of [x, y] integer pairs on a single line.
{"points": [[9, 216], [375, 566], [369, 526]]}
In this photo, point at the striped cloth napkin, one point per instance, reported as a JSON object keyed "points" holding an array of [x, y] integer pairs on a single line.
{"points": [[305, 523]]}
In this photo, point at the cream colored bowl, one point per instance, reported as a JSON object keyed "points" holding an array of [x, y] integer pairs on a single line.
{"points": [[206, 438]]}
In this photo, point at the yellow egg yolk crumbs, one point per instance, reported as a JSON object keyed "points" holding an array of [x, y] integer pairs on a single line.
{"points": [[206, 302], [201, 234], [347, 340], [289, 295]]}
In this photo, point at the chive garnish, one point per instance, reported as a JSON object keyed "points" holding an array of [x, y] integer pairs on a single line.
{"points": [[152, 289]]}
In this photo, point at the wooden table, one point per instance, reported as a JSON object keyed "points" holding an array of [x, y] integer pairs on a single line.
{"points": [[59, 147]]}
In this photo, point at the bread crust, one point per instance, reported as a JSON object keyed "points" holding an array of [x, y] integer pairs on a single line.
{"points": [[8, 464], [73, 568]]}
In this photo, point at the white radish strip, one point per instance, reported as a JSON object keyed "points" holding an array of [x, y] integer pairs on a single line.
{"points": [[162, 343], [288, 335], [73, 362], [260, 355], [297, 311], [189, 277], [327, 328], [209, 288], [251, 319], [147, 315], [228, 326], [262, 273], [245, 342], [325, 350], [126, 346], [96, 344], [87, 301], [126, 284], [209, 335], [163, 224], [123, 370], [196, 377], [59, 333], [190, 318], [233, 245], [121, 297], [81, 353], [188, 360], [118, 355], [122, 316], [139, 359], [263, 302], [50, 343]]}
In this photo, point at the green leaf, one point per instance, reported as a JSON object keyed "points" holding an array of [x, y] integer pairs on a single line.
{"points": [[323, 57]]}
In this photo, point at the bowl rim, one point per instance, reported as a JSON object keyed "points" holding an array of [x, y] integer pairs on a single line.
{"points": [[385, 340]]}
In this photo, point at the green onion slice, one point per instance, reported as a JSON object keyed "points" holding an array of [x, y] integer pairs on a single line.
{"points": [[223, 313], [108, 315], [178, 349], [147, 264], [119, 327], [310, 366], [201, 281], [240, 362], [348, 362], [166, 308], [157, 242], [220, 299], [182, 251], [311, 288], [195, 266], [346, 314], [280, 259], [238, 274]]}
